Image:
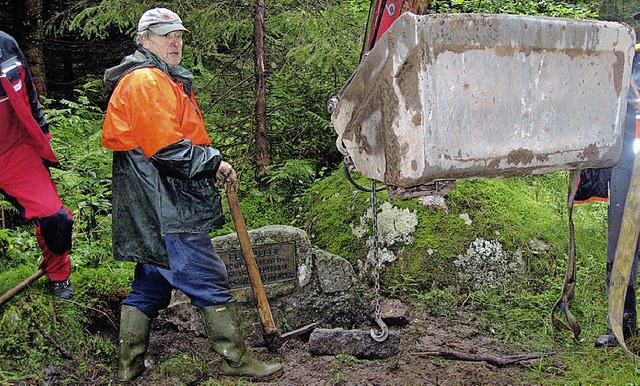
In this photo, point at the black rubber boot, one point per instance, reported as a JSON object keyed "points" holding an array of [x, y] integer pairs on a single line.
{"points": [[607, 339], [629, 318], [135, 326], [226, 339]]}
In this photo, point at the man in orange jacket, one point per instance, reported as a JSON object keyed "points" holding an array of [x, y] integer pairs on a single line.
{"points": [[25, 158], [165, 200]]}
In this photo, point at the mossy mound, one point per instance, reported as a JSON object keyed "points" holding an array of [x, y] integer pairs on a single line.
{"points": [[486, 224]]}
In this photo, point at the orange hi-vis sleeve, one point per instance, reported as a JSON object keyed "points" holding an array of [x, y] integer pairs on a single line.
{"points": [[148, 110]]}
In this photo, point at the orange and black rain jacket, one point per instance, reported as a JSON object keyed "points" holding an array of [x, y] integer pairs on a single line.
{"points": [[163, 167]]}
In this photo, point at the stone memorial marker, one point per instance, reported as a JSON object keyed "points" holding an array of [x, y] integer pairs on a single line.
{"points": [[283, 255], [276, 263]]}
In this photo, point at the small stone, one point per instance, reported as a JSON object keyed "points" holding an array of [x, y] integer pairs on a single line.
{"points": [[434, 201], [395, 312], [335, 274]]}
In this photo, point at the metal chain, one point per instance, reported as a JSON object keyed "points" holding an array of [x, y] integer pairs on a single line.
{"points": [[382, 336]]}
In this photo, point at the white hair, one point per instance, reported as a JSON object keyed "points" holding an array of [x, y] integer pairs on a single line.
{"points": [[144, 34]]}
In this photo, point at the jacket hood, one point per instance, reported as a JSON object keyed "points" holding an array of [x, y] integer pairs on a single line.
{"points": [[145, 58]]}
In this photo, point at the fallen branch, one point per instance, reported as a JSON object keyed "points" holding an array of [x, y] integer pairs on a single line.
{"points": [[490, 359], [65, 354]]}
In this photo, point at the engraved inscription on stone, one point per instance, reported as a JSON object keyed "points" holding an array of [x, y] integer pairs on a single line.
{"points": [[276, 263]]}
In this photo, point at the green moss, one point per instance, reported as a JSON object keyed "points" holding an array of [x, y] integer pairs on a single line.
{"points": [[513, 211], [329, 208], [39, 329], [182, 369], [99, 283]]}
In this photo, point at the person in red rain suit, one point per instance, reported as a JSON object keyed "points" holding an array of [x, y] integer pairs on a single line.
{"points": [[25, 158]]}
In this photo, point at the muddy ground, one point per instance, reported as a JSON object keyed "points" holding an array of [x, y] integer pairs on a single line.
{"points": [[460, 333]]}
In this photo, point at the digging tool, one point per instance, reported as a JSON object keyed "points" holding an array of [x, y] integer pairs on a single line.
{"points": [[15, 290], [273, 339]]}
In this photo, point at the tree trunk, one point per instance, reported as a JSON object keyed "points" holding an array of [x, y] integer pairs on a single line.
{"points": [[32, 43], [262, 145], [419, 7]]}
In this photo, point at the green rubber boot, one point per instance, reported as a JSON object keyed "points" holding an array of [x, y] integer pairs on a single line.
{"points": [[222, 329], [134, 340]]}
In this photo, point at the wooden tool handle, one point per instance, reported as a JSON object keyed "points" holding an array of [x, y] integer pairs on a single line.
{"points": [[13, 291], [264, 311]]}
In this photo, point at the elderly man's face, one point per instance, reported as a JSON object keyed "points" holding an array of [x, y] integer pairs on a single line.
{"points": [[168, 47]]}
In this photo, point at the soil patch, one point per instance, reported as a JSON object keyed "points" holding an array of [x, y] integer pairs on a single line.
{"points": [[460, 332]]}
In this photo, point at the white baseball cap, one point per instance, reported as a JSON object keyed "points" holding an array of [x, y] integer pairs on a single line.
{"points": [[160, 21]]}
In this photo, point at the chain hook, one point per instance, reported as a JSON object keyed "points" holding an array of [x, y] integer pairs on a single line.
{"points": [[384, 331], [382, 336]]}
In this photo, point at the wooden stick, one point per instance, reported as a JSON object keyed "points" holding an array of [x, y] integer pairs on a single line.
{"points": [[66, 354], [13, 291], [264, 311], [490, 359]]}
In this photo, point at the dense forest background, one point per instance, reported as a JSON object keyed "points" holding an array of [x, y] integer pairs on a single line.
{"points": [[310, 49]]}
